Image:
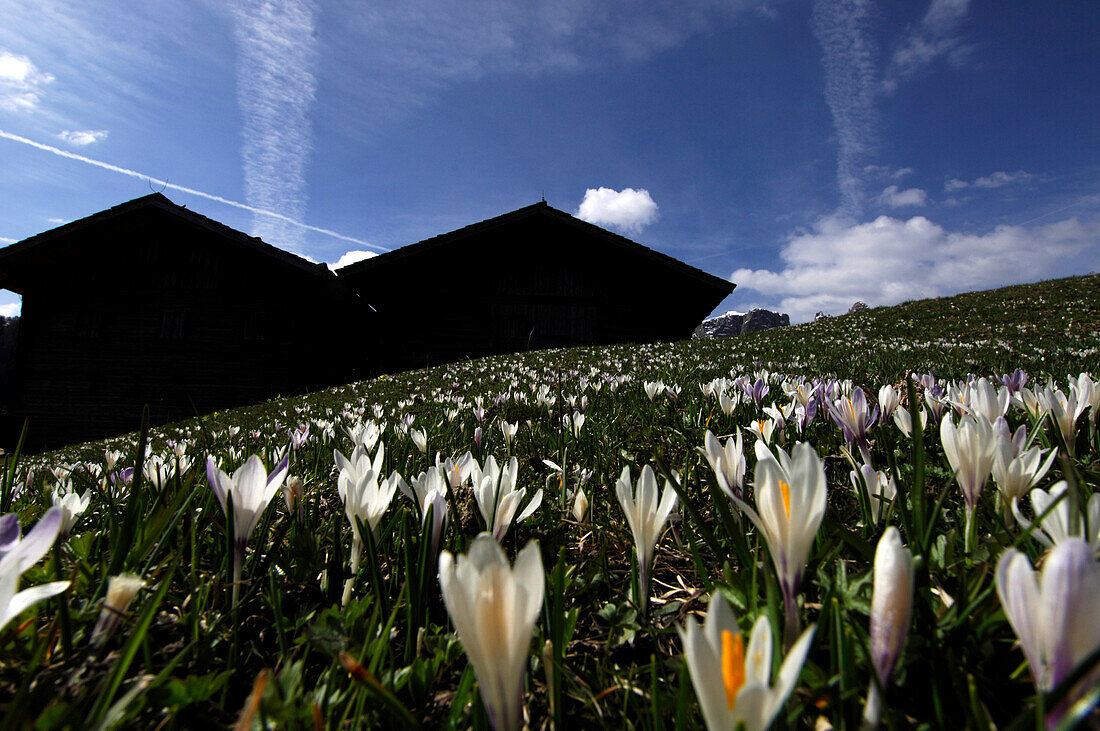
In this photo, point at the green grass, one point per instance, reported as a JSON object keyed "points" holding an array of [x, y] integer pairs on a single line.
{"points": [[184, 657]]}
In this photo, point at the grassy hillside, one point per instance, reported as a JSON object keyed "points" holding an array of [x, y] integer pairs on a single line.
{"points": [[281, 646]]}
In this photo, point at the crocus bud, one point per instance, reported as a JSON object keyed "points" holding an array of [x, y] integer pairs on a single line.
{"points": [[888, 400], [891, 608], [292, 493], [580, 506], [891, 602], [121, 590], [420, 439]]}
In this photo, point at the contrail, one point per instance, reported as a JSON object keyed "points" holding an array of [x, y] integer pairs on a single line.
{"points": [[840, 28], [191, 191], [275, 91]]}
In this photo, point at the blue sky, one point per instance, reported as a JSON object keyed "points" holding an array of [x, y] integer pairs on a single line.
{"points": [[815, 153]]}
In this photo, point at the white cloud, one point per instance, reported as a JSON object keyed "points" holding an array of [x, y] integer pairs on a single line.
{"points": [[82, 137], [351, 257], [998, 179], [21, 83], [935, 37], [11, 309], [629, 210], [889, 260], [885, 171], [275, 91], [840, 26], [5, 240], [893, 197]]}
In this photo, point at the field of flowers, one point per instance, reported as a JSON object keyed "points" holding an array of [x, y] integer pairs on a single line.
{"points": [[887, 518]]}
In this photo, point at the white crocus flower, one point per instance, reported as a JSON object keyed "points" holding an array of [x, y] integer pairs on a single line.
{"points": [[352, 469], [71, 506], [1015, 470], [1054, 614], [647, 517], [982, 398], [729, 402], [1064, 410], [157, 471], [1028, 400], [733, 683], [365, 435], [904, 421], [457, 470], [419, 439], [891, 610], [509, 431], [763, 429], [970, 449], [574, 423], [497, 497], [1054, 527], [790, 495], [111, 457], [1088, 391], [429, 490], [365, 501], [494, 607], [17, 554], [888, 400], [728, 462], [653, 388], [881, 489], [251, 489]]}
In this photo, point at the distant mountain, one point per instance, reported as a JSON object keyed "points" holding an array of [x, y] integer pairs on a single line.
{"points": [[739, 323]]}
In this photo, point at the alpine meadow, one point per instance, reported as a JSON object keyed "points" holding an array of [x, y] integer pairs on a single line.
{"points": [[888, 518]]}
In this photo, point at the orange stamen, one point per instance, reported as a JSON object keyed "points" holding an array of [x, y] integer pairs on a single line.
{"points": [[786, 490], [733, 665]]}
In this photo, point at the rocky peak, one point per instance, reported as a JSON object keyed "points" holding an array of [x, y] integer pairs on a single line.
{"points": [[739, 323]]}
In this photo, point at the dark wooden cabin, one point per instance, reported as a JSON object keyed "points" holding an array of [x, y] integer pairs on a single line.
{"points": [[150, 303], [531, 279]]}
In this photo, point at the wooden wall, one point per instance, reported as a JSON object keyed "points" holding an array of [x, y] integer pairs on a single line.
{"points": [[533, 284], [144, 310]]}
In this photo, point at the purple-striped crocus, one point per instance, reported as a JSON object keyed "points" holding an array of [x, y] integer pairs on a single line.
{"points": [[891, 609], [17, 554], [851, 413], [1054, 615]]}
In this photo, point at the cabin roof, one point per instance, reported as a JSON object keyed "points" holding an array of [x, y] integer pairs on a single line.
{"points": [[540, 209], [11, 255]]}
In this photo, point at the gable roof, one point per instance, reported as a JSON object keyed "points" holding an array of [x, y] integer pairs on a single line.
{"points": [[540, 209], [39, 242]]}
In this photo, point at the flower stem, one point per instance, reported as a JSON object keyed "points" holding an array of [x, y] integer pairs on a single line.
{"points": [[790, 611]]}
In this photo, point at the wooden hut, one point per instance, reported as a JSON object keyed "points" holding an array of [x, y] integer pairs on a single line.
{"points": [[531, 279], [150, 303]]}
